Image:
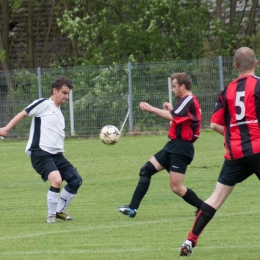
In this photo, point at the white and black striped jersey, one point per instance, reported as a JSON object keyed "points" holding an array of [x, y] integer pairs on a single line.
{"points": [[47, 127]]}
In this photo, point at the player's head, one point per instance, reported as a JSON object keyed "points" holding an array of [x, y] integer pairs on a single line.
{"points": [[60, 82], [244, 59], [182, 79]]}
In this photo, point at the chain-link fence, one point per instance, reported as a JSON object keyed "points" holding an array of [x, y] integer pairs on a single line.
{"points": [[104, 94]]}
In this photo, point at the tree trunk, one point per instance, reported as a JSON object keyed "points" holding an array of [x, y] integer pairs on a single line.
{"points": [[233, 4], [251, 21], [30, 34], [74, 42], [219, 17], [48, 32], [4, 44]]}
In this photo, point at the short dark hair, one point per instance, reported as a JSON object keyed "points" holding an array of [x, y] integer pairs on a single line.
{"points": [[60, 82], [244, 58], [182, 78]]}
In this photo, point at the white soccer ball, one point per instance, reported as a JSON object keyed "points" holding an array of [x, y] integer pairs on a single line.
{"points": [[109, 134]]}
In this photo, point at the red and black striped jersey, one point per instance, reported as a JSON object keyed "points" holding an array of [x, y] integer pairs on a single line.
{"points": [[186, 121], [238, 110]]}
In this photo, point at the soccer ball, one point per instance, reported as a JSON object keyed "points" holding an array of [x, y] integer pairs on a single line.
{"points": [[109, 134]]}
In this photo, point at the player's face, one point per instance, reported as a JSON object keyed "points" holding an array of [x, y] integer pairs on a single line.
{"points": [[177, 89], [60, 96]]}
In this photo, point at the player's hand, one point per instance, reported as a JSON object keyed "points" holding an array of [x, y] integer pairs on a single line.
{"points": [[146, 107], [3, 131], [167, 106]]}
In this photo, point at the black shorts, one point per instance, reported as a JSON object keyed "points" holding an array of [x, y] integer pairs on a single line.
{"points": [[176, 156], [44, 163], [235, 171]]}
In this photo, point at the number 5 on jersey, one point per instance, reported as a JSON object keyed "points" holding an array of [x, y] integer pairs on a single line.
{"points": [[240, 103]]}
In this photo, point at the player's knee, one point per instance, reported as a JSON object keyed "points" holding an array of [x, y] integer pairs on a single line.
{"points": [[74, 182], [176, 188], [55, 179], [147, 171]]}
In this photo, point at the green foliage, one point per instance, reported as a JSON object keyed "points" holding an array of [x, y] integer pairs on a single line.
{"points": [[255, 40], [233, 33], [142, 31], [114, 32], [15, 4], [110, 174], [2, 55], [24, 92], [104, 100]]}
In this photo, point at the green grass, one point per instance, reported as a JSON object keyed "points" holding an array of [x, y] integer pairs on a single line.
{"points": [[110, 174]]}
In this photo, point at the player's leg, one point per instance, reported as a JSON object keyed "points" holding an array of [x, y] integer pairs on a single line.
{"points": [[44, 165], [188, 195], [145, 174], [70, 174], [178, 167], [53, 194], [231, 173], [205, 214]]}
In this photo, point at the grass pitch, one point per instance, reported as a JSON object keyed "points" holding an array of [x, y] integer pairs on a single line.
{"points": [[110, 174]]}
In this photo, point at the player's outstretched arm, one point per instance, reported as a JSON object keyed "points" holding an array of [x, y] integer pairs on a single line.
{"points": [[157, 111], [4, 130], [217, 128]]}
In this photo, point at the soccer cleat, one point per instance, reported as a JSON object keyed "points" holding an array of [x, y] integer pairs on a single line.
{"points": [[51, 219], [127, 211], [63, 215], [186, 248]]}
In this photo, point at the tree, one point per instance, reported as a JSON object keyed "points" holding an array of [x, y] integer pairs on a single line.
{"points": [[219, 19], [104, 32], [145, 30], [4, 34], [233, 27], [30, 34]]}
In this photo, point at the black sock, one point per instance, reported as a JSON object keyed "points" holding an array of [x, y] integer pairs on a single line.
{"points": [[205, 214], [53, 189], [191, 198], [140, 191]]}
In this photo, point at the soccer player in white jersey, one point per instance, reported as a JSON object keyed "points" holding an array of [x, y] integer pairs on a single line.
{"points": [[46, 148]]}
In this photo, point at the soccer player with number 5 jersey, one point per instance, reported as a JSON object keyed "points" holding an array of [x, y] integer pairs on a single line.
{"points": [[237, 118]]}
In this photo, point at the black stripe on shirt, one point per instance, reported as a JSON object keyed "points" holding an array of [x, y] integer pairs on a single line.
{"points": [[35, 145], [30, 108]]}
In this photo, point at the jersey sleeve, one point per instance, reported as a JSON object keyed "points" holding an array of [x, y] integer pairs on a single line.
{"points": [[180, 112], [37, 107], [218, 114]]}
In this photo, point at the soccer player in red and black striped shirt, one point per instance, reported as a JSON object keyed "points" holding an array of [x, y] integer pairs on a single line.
{"points": [[237, 118], [178, 153]]}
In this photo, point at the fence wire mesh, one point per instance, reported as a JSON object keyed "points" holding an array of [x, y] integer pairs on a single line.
{"points": [[101, 94]]}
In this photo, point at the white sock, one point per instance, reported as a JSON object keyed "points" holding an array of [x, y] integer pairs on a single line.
{"points": [[65, 198], [52, 202]]}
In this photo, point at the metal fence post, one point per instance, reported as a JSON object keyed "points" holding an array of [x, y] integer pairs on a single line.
{"points": [[39, 76], [130, 97], [72, 129], [170, 90], [220, 65]]}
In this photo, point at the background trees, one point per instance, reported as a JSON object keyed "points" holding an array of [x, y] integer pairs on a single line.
{"points": [[236, 24], [94, 32], [142, 31]]}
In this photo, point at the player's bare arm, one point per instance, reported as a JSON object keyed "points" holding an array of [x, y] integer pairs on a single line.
{"points": [[167, 106], [218, 128], [18, 118], [157, 111]]}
